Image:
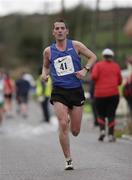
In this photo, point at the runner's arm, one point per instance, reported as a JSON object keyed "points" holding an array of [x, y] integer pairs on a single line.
{"points": [[46, 62], [81, 49]]}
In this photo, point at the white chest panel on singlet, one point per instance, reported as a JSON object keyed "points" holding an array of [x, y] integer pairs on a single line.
{"points": [[64, 65]]}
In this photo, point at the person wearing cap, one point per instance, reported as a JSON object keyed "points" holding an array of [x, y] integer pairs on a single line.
{"points": [[106, 75]]}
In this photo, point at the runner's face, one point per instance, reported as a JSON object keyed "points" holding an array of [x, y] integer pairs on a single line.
{"points": [[60, 31]]}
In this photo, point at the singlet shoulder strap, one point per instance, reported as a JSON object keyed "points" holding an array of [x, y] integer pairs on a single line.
{"points": [[52, 48], [71, 46], [69, 43]]}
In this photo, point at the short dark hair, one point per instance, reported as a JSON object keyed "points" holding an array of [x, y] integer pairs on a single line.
{"points": [[60, 20]]}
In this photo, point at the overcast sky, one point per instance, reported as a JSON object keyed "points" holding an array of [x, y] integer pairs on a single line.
{"points": [[51, 6]]}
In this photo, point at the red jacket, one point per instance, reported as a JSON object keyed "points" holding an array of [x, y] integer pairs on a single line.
{"points": [[107, 77]]}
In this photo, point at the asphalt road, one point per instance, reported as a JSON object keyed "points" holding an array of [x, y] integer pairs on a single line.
{"points": [[30, 150]]}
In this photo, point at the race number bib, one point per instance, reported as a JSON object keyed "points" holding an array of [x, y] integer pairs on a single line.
{"points": [[64, 65]]}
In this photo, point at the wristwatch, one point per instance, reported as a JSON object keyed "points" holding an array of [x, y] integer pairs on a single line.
{"points": [[87, 67]]}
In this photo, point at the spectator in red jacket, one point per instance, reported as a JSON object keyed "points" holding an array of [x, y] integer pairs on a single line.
{"points": [[106, 75]]}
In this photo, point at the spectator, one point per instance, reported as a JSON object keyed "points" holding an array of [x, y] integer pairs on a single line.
{"points": [[106, 75], [2, 88], [43, 92], [92, 101], [9, 91], [127, 90], [22, 95]]}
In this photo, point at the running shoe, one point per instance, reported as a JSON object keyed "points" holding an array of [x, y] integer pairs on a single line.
{"points": [[69, 165], [102, 135], [111, 138]]}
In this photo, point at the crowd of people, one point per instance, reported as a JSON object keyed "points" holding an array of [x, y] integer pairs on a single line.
{"points": [[13, 89], [19, 90], [60, 83]]}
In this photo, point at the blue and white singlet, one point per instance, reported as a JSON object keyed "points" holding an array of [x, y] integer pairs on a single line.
{"points": [[63, 65]]}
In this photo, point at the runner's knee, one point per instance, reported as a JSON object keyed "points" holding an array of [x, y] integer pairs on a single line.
{"points": [[75, 132], [63, 126]]}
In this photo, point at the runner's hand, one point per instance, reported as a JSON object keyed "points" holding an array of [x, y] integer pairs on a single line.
{"points": [[44, 77], [80, 74]]}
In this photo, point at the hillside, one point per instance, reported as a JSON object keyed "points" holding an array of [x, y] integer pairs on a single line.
{"points": [[23, 38]]}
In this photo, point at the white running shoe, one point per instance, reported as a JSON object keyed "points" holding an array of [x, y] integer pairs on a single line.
{"points": [[102, 135], [69, 165]]}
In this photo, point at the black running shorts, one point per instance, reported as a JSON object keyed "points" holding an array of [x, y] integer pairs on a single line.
{"points": [[69, 97]]}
